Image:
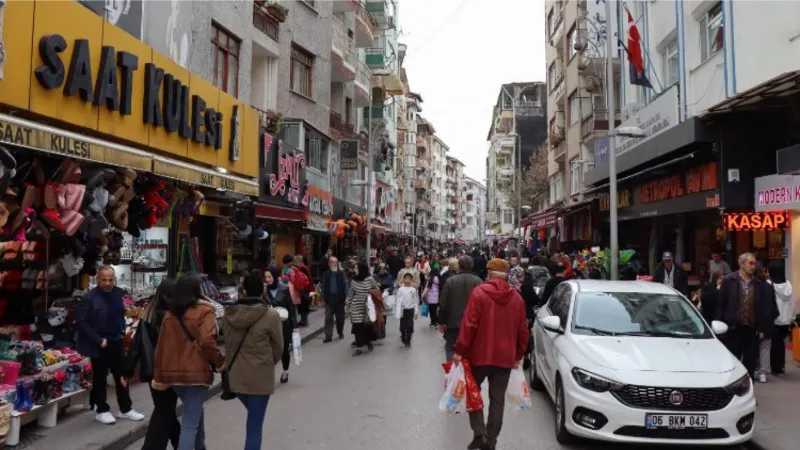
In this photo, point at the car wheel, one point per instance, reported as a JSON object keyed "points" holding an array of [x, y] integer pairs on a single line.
{"points": [[533, 376], [563, 436]]}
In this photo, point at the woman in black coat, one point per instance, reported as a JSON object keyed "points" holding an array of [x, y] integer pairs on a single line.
{"points": [[278, 296], [164, 426], [709, 297]]}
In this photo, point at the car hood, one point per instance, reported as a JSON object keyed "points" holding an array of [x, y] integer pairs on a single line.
{"points": [[655, 354]]}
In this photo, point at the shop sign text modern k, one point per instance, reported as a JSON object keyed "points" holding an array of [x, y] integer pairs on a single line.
{"points": [[167, 101], [779, 196], [757, 221]]}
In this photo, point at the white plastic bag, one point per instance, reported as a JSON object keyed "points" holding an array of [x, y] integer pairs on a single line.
{"points": [[372, 313], [389, 301], [297, 347], [517, 393], [454, 399]]}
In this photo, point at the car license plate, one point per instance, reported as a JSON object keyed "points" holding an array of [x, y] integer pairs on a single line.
{"points": [[676, 421]]}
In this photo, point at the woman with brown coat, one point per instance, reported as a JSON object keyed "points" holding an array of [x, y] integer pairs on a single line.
{"points": [[253, 346], [187, 349]]}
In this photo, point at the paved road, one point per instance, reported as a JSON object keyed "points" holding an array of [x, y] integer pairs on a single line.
{"points": [[387, 399]]}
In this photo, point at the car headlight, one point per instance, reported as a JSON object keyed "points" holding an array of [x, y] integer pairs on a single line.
{"points": [[594, 382], [739, 387]]}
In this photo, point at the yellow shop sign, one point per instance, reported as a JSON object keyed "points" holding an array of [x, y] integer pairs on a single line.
{"points": [[87, 72]]}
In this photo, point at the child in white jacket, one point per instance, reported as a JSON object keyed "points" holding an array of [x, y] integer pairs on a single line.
{"points": [[407, 308]]}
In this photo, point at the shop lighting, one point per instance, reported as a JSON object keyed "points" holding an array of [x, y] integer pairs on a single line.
{"points": [[222, 170]]}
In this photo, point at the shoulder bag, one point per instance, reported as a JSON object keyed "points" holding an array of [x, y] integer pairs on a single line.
{"points": [[226, 394]]}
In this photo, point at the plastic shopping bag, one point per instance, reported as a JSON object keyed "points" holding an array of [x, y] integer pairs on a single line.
{"points": [[389, 301], [297, 347], [517, 392], [474, 399], [454, 399], [372, 312], [424, 312]]}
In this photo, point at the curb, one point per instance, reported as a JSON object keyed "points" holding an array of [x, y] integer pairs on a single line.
{"points": [[128, 439]]}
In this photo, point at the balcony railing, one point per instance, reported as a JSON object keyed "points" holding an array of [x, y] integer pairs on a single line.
{"points": [[377, 112], [596, 120], [559, 150], [421, 183], [265, 23], [363, 75], [340, 125], [363, 14], [343, 42], [422, 143], [557, 27]]}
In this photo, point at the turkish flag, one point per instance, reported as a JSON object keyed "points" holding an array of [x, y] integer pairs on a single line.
{"points": [[635, 59]]}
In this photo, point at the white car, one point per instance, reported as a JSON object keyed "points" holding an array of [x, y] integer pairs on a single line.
{"points": [[634, 362]]}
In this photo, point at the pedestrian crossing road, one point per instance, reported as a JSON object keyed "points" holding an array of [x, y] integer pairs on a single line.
{"points": [[387, 399]]}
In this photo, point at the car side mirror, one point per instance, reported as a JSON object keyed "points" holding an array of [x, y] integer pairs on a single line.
{"points": [[552, 323], [719, 327]]}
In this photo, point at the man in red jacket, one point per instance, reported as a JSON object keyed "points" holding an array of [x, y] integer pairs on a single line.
{"points": [[493, 338]]}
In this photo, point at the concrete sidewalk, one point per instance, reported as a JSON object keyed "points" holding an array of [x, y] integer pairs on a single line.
{"points": [[777, 424], [77, 429]]}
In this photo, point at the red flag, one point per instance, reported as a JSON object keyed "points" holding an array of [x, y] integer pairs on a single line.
{"points": [[634, 51]]}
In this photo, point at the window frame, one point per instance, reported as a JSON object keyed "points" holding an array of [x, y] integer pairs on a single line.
{"points": [[575, 182], [507, 213], [296, 55], [574, 112], [714, 15], [572, 34], [551, 76], [227, 52], [671, 53]]}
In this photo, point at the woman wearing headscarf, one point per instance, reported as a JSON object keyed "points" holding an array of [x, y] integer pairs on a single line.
{"points": [[356, 306], [278, 296], [253, 343], [187, 349], [164, 426], [431, 295]]}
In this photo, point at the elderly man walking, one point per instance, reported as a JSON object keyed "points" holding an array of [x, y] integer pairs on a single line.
{"points": [[453, 302], [493, 337]]}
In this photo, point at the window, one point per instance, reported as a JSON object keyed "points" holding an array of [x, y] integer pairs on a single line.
{"points": [[301, 71], [226, 60], [550, 23], [551, 75], [291, 135], [508, 216], [575, 177], [711, 32], [348, 110], [316, 148], [559, 303], [572, 39], [574, 108], [671, 63]]}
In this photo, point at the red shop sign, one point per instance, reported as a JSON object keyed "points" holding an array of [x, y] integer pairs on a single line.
{"points": [[699, 179]]}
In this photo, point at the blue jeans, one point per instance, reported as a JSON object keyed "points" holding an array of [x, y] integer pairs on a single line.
{"points": [[256, 406], [193, 433]]}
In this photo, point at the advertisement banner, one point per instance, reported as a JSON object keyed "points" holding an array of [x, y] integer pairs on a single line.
{"points": [[348, 159], [657, 116], [777, 192], [126, 14], [319, 209], [283, 178]]}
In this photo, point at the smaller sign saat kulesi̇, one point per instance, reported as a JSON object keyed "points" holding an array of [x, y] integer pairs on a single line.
{"points": [[757, 221]]}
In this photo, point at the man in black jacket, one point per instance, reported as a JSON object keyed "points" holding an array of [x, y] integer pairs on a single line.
{"points": [[747, 307], [334, 292], [479, 261], [453, 302], [671, 274], [559, 272]]}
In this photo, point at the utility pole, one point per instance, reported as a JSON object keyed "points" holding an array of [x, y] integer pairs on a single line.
{"points": [[612, 151], [370, 176]]}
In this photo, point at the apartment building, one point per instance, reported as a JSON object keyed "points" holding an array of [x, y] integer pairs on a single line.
{"points": [[721, 84], [518, 126], [455, 205], [416, 178], [423, 200], [439, 197], [474, 206]]}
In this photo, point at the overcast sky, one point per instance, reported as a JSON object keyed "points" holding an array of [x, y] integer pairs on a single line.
{"points": [[459, 53]]}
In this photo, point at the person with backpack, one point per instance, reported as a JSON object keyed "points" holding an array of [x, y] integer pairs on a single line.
{"points": [[298, 278]]}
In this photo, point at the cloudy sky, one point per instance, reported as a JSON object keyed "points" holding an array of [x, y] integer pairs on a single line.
{"points": [[459, 53]]}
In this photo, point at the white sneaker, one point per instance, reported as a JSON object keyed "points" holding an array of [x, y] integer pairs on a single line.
{"points": [[105, 418], [131, 415], [762, 378]]}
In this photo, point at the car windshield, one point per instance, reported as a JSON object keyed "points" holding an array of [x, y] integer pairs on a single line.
{"points": [[540, 275], [637, 314]]}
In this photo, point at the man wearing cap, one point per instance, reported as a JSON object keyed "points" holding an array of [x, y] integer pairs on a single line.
{"points": [[671, 274], [493, 337]]}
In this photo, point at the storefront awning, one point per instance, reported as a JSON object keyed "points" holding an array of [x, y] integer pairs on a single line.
{"points": [[263, 211], [770, 94], [545, 218], [190, 173], [44, 138]]}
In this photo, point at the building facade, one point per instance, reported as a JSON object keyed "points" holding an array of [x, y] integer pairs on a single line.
{"points": [[475, 211], [518, 129]]}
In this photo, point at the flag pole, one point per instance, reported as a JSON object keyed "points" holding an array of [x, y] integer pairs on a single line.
{"points": [[646, 54]]}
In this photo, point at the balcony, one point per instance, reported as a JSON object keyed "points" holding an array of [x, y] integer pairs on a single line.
{"points": [[422, 143], [559, 151], [423, 205], [558, 89], [529, 108], [422, 164], [377, 111], [365, 26], [265, 23], [505, 173], [557, 35], [343, 54], [421, 183], [596, 120], [376, 58], [340, 126], [454, 199], [362, 84], [382, 12]]}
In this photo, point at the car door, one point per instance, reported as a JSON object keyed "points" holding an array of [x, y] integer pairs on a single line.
{"points": [[547, 355]]}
